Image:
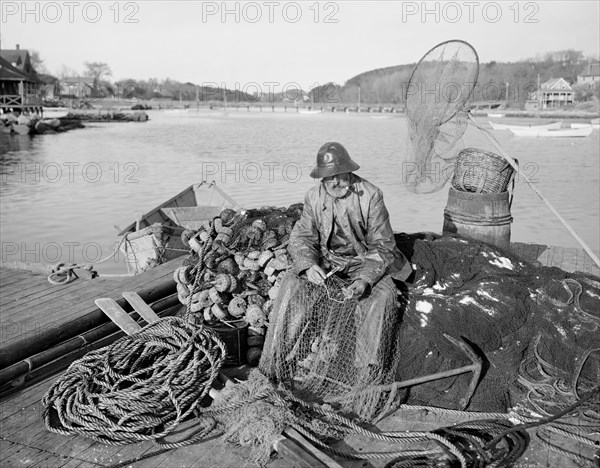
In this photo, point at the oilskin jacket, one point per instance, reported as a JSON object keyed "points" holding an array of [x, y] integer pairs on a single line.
{"points": [[362, 219]]}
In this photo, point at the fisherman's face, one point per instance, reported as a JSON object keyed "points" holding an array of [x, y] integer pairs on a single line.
{"points": [[338, 185]]}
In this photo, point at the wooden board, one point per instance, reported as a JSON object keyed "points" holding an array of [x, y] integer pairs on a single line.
{"points": [[22, 320]]}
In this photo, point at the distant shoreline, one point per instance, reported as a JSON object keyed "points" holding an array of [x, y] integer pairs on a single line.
{"points": [[545, 114], [387, 108]]}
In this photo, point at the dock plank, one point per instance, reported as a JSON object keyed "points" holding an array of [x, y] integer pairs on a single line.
{"points": [[580, 260], [67, 304], [20, 293], [543, 255], [24, 284], [569, 262], [555, 256], [27, 456]]}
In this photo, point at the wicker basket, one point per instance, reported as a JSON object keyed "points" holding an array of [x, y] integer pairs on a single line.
{"points": [[480, 171]]}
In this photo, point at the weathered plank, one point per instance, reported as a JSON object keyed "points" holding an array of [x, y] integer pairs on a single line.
{"points": [[26, 456], [580, 260], [22, 284], [555, 256], [569, 261], [62, 307], [543, 255]]}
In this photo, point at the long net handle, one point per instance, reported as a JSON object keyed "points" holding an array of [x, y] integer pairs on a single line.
{"points": [[513, 163]]}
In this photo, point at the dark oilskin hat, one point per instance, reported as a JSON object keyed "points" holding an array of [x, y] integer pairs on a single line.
{"points": [[333, 159]]}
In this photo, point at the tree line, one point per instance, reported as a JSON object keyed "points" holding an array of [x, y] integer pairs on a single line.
{"points": [[510, 82]]}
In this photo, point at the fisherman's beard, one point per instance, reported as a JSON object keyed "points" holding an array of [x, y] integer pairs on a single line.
{"points": [[337, 191]]}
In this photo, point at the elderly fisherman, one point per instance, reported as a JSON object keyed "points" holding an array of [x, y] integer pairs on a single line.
{"points": [[344, 230]]}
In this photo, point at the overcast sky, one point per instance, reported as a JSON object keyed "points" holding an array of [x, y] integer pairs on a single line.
{"points": [[286, 42]]}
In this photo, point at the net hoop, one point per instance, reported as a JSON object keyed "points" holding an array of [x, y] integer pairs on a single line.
{"points": [[442, 44]]}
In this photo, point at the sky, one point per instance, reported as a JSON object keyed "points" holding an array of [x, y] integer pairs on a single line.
{"points": [[272, 44]]}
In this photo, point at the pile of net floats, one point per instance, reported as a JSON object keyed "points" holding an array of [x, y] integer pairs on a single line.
{"points": [[234, 271]]}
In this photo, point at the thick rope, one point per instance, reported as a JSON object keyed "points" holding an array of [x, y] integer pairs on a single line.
{"points": [[139, 388], [63, 274], [547, 420], [555, 448]]}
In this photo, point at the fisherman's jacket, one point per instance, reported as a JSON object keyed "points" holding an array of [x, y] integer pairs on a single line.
{"points": [[352, 233]]}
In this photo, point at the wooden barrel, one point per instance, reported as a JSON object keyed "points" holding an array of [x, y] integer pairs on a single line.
{"points": [[481, 216], [235, 338]]}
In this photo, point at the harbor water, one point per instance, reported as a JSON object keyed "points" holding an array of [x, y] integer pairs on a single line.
{"points": [[63, 196]]}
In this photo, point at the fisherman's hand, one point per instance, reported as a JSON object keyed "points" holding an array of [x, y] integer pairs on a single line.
{"points": [[356, 289], [315, 274]]}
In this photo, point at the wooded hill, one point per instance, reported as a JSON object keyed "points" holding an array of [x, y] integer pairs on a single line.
{"points": [[388, 85]]}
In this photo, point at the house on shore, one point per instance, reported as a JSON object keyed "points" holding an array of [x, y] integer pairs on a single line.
{"points": [[556, 92], [77, 87], [590, 76], [20, 87]]}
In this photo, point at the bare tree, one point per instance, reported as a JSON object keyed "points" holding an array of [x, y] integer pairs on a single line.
{"points": [[97, 70]]}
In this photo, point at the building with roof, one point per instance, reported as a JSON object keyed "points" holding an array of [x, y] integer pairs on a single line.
{"points": [[590, 75], [80, 87], [19, 84], [556, 92]]}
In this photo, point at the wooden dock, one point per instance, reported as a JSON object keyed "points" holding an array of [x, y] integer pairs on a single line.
{"points": [[31, 308], [567, 259]]}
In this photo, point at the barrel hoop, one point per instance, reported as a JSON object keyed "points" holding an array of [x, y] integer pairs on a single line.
{"points": [[494, 221]]}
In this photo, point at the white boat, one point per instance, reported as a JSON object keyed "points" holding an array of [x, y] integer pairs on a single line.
{"points": [[549, 126], [495, 116], [303, 110], [553, 133], [585, 125], [55, 112]]}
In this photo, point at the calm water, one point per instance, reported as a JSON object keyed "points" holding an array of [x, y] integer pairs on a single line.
{"points": [[62, 195]]}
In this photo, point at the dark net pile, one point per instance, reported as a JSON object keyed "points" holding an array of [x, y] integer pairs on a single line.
{"points": [[532, 324]]}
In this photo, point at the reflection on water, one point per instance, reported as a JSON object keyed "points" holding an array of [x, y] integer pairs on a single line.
{"points": [[15, 143], [62, 195]]}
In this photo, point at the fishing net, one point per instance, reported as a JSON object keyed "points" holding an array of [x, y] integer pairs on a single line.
{"points": [[511, 311], [437, 100], [325, 347]]}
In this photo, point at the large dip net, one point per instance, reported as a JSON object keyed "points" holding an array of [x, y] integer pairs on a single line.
{"points": [[437, 103]]}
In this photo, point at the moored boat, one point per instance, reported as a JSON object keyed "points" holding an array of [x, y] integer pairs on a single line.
{"points": [[495, 115], [585, 125], [54, 112], [553, 133], [553, 125], [309, 111], [156, 236]]}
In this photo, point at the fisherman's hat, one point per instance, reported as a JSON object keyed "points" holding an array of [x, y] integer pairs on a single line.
{"points": [[333, 159]]}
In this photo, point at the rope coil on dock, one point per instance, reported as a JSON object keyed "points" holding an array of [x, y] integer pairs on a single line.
{"points": [[139, 388]]}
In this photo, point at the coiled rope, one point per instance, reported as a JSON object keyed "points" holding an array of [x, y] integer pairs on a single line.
{"points": [[63, 273], [139, 388]]}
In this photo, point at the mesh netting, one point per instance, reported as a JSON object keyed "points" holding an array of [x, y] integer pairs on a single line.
{"points": [[437, 99], [327, 348], [507, 309]]}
